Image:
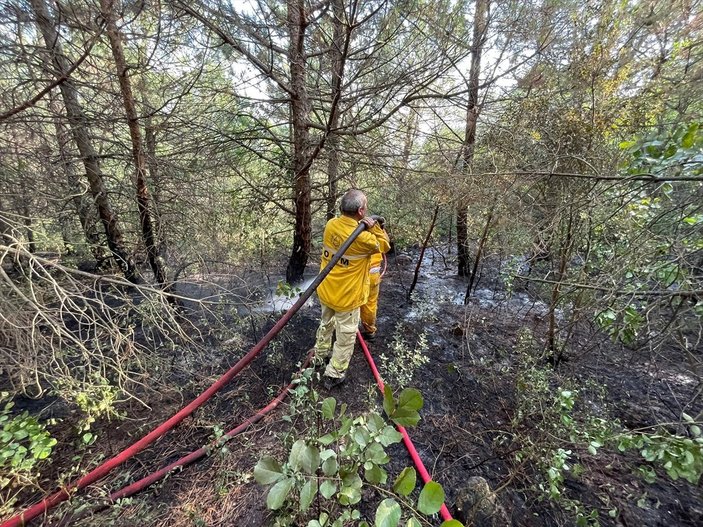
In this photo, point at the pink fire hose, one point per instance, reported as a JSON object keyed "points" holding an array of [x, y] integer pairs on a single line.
{"points": [[443, 511]]}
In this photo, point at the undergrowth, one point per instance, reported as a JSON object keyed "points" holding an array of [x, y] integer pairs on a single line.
{"points": [[556, 431], [334, 456]]}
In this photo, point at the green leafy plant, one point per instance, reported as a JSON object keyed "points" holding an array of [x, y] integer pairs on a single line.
{"points": [[24, 443], [96, 398], [404, 360], [555, 431], [287, 290], [681, 457], [623, 326], [548, 429], [331, 467]]}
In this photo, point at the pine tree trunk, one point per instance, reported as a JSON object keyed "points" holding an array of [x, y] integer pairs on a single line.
{"points": [[467, 155], [462, 238], [79, 128], [82, 203], [300, 110], [143, 199], [333, 141], [155, 176], [479, 253]]}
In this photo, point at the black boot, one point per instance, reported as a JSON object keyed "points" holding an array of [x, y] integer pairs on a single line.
{"points": [[329, 383]]}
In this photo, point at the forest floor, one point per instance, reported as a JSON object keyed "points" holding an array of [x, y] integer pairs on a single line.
{"points": [[481, 415]]}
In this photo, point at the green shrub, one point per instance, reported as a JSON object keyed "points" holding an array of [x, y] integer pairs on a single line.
{"points": [[24, 443], [329, 467], [404, 360]]}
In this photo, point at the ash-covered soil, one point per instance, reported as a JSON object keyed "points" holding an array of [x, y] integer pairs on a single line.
{"points": [[473, 420]]}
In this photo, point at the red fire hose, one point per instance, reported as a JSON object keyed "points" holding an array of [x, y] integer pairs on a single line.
{"points": [[201, 452], [103, 469], [138, 486], [444, 512]]}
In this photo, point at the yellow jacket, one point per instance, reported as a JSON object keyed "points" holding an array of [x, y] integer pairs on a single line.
{"points": [[347, 285]]}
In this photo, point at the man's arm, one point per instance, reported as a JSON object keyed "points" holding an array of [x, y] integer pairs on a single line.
{"points": [[374, 240], [384, 241]]}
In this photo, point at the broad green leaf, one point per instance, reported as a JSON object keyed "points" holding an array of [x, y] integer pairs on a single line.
{"points": [[690, 138], [278, 493], [350, 491], [388, 514], [349, 495], [431, 498], [328, 488], [326, 439], [405, 417], [390, 436], [688, 458], [311, 459], [351, 479], [330, 466], [327, 453], [376, 453], [295, 458], [410, 399], [375, 423], [405, 482], [388, 402], [346, 426], [328, 407], [670, 151], [452, 523], [307, 493], [321, 522], [413, 522], [304, 457], [625, 145], [361, 437], [375, 474], [267, 471]]}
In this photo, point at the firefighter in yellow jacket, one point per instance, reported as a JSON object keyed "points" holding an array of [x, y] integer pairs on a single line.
{"points": [[346, 288]]}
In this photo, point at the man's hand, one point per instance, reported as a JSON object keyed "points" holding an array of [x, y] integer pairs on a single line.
{"points": [[368, 221], [380, 220]]}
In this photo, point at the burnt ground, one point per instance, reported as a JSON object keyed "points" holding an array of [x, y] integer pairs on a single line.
{"points": [[471, 422]]}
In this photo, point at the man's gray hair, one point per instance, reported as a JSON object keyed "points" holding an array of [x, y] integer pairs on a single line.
{"points": [[352, 201]]}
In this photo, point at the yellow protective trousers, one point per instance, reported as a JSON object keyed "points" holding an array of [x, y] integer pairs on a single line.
{"points": [[369, 309], [344, 324]]}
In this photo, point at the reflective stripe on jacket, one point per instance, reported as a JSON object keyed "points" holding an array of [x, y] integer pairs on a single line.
{"points": [[347, 285], [375, 268]]}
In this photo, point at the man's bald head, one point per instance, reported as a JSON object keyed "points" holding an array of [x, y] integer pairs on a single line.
{"points": [[352, 203]]}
